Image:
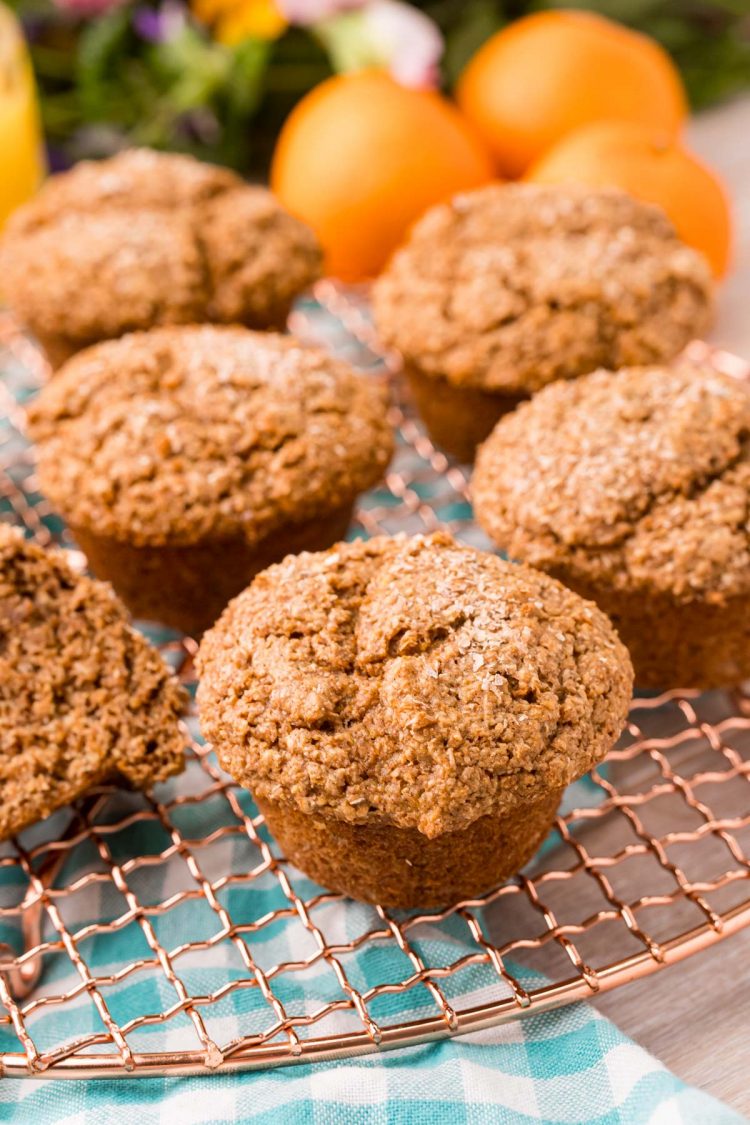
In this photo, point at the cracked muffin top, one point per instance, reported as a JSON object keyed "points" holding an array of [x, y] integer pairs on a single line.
{"points": [[514, 286], [414, 682], [639, 478], [180, 433], [149, 238], [84, 698]]}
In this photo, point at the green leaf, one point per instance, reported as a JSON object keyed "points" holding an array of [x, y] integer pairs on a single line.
{"points": [[245, 83], [100, 42], [478, 22]]}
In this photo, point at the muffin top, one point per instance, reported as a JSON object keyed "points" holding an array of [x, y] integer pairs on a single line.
{"points": [[180, 433], [513, 286], [638, 478], [148, 238], [414, 682], [84, 698]]}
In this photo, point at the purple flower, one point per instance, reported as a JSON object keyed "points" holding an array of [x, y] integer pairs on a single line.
{"points": [[157, 25], [33, 25], [147, 22], [57, 159]]}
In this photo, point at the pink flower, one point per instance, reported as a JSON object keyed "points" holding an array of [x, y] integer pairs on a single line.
{"points": [[308, 12], [381, 33], [407, 40], [87, 8]]}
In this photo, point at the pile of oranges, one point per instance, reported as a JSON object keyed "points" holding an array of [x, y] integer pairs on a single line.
{"points": [[557, 96]]}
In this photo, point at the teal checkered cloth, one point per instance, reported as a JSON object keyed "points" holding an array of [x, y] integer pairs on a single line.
{"points": [[571, 1065]]}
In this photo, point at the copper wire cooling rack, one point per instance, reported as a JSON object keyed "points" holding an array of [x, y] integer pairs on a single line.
{"points": [[230, 959]]}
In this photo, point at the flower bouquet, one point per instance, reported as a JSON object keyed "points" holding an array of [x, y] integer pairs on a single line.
{"points": [[217, 77]]}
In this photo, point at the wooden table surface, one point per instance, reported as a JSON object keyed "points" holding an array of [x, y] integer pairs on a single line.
{"points": [[695, 1016], [722, 137]]}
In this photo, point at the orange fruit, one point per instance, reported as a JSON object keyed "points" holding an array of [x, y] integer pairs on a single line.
{"points": [[551, 72], [360, 158], [651, 166]]}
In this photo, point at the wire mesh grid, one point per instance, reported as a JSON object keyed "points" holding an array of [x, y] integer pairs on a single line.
{"points": [[164, 933]]}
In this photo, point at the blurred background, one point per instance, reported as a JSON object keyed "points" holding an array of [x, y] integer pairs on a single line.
{"points": [[217, 77]]}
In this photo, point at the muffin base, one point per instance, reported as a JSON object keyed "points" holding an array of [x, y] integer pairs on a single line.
{"points": [[400, 867], [674, 645], [187, 587], [274, 320], [57, 349], [458, 419]]}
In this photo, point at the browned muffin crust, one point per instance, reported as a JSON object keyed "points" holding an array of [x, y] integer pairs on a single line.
{"points": [[149, 238], [513, 286], [88, 277], [83, 696], [182, 434], [637, 480], [415, 683], [136, 179]]}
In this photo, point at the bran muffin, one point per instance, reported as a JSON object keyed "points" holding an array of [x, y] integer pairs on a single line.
{"points": [[407, 712], [84, 698], [148, 238], [186, 459], [633, 488], [513, 286]]}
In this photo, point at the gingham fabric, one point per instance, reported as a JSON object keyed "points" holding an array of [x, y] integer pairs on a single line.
{"points": [[569, 1065]]}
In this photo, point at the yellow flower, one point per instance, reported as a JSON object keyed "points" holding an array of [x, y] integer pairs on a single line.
{"points": [[235, 20]]}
